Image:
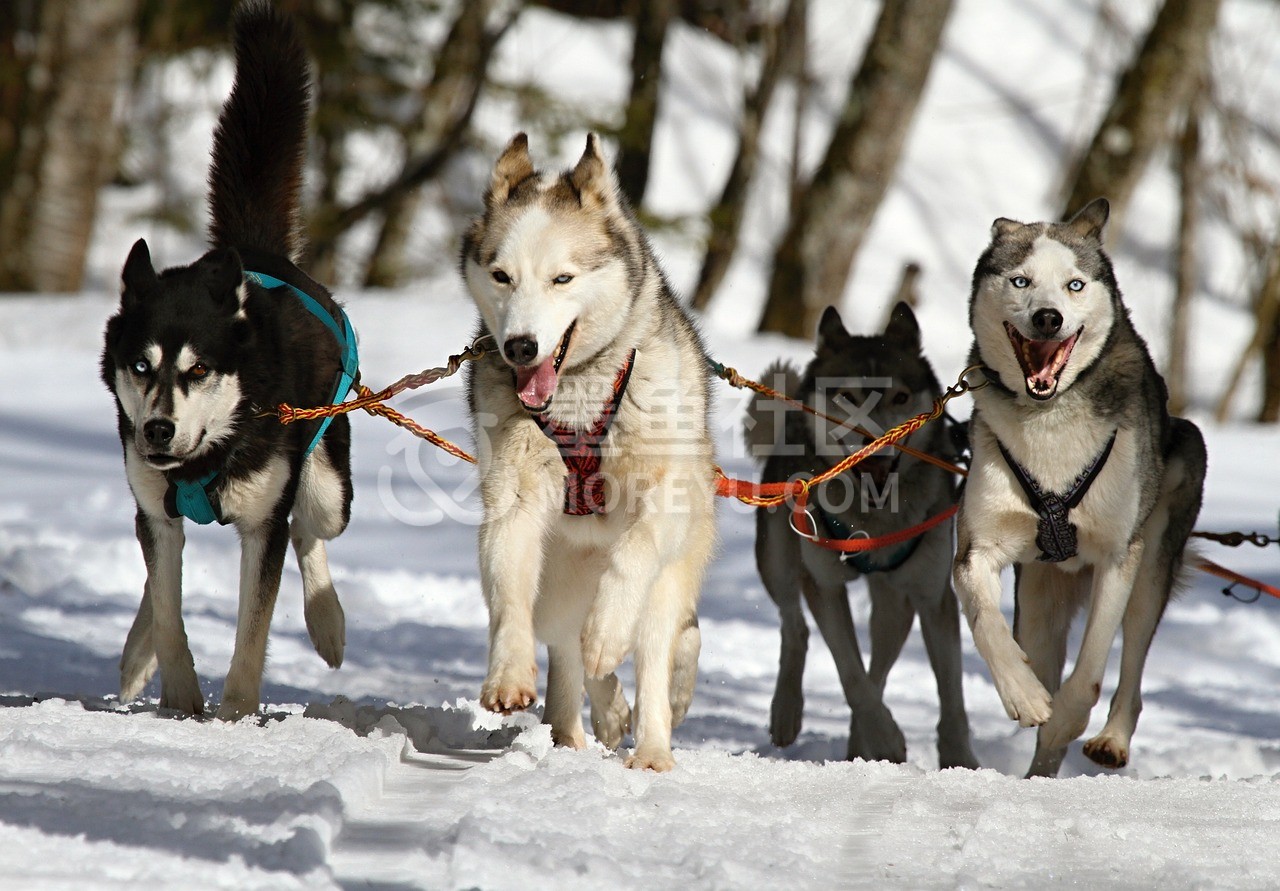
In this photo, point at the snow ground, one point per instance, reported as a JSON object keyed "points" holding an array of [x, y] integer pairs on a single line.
{"points": [[387, 774]]}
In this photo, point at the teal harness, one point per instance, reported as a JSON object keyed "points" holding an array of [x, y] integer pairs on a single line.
{"points": [[197, 499]]}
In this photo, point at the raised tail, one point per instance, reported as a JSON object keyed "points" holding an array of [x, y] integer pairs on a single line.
{"points": [[765, 425], [255, 181]]}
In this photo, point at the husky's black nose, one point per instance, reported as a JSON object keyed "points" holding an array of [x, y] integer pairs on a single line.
{"points": [[158, 432], [1047, 321], [520, 350]]}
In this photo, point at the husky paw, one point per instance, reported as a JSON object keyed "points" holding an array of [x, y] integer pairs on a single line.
{"points": [[181, 693], [136, 671], [786, 716], [233, 709], [569, 739], [1069, 719], [610, 715], [509, 691], [602, 651], [875, 736], [1025, 699], [327, 626], [659, 760], [1107, 751]]}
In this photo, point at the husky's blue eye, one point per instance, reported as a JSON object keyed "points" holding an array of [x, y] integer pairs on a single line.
{"points": [[562, 279], [501, 277], [142, 366], [1075, 285], [1020, 281]]}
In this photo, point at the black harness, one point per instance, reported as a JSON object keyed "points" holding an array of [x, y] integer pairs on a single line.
{"points": [[1056, 535]]}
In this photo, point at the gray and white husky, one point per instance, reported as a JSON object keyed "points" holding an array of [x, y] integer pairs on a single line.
{"points": [[875, 382], [198, 355], [594, 452], [1080, 478]]}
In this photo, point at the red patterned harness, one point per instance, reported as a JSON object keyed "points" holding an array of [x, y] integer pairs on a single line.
{"points": [[580, 451]]}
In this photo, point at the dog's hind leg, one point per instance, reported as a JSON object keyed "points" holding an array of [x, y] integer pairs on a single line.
{"points": [[684, 668], [162, 541], [1045, 601], [873, 734], [610, 713], [1165, 532], [262, 551], [564, 695], [1112, 585], [138, 661], [320, 512], [778, 560], [939, 613]]}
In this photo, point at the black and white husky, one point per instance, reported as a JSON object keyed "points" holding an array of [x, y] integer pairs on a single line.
{"points": [[1080, 478], [876, 382], [198, 356]]}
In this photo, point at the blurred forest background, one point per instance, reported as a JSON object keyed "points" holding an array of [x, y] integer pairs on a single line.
{"points": [[82, 106]]}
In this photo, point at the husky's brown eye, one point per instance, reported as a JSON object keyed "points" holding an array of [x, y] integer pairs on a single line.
{"points": [[562, 279], [501, 277], [901, 397], [198, 370]]}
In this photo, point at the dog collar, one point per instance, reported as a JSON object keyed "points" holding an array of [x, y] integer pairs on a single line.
{"points": [[580, 450], [197, 499], [1056, 534]]}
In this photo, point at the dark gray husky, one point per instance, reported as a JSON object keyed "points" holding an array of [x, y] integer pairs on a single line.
{"points": [[197, 357], [877, 383]]}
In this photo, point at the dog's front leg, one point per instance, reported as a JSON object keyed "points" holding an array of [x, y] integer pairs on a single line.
{"points": [[609, 631], [510, 565], [1072, 703], [977, 584], [159, 622], [262, 551]]}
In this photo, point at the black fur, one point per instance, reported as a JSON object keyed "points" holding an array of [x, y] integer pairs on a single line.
{"points": [[267, 342]]}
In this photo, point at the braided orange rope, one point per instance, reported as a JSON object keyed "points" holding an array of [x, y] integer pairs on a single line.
{"points": [[773, 494], [733, 378]]}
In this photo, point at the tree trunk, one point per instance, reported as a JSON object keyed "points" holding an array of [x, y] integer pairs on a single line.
{"points": [[1269, 340], [449, 97], [59, 147], [635, 139], [1189, 187], [813, 261], [1154, 89], [725, 219]]}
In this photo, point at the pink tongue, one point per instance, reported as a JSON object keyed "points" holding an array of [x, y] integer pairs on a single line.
{"points": [[1041, 352], [536, 386]]}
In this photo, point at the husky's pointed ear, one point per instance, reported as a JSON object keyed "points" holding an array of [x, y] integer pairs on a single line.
{"points": [[903, 328], [1004, 226], [223, 275], [591, 177], [138, 276], [830, 327], [1090, 219], [512, 167]]}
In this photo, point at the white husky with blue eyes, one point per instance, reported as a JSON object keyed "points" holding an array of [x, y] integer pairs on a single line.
{"points": [[1080, 479]]}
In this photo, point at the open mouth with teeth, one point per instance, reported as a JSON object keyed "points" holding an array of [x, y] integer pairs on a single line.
{"points": [[536, 384], [1042, 361]]}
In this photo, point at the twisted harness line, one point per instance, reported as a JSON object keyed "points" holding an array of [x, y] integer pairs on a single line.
{"points": [[753, 494]]}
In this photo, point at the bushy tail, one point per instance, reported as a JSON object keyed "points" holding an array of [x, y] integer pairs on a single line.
{"points": [[259, 144], [765, 424]]}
